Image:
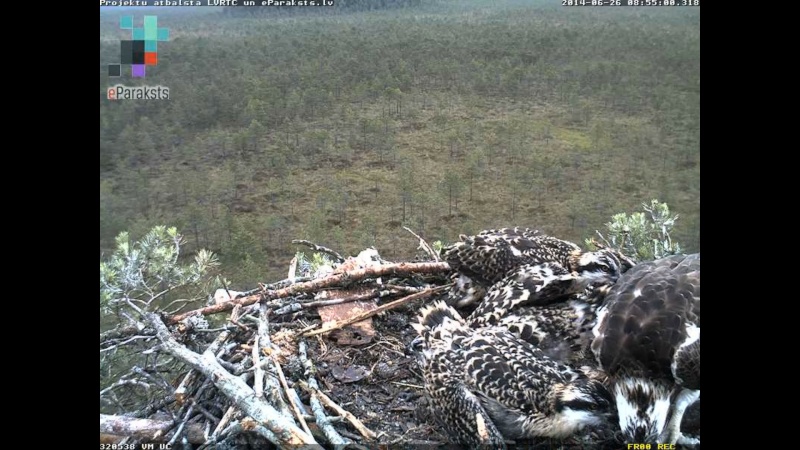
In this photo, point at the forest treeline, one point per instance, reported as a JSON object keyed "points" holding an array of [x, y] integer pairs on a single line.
{"points": [[446, 117]]}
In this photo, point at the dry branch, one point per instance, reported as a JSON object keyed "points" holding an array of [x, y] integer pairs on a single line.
{"points": [[379, 309], [336, 279], [319, 412], [366, 432], [266, 344], [424, 245], [124, 332], [146, 429], [258, 383], [396, 288], [285, 431], [276, 285], [262, 330], [182, 425], [318, 248], [223, 422], [180, 392], [362, 296], [296, 307]]}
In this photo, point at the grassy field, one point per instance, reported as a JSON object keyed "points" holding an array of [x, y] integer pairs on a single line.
{"points": [[449, 118]]}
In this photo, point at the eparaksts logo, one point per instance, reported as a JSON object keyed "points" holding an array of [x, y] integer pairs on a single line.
{"points": [[120, 92]]}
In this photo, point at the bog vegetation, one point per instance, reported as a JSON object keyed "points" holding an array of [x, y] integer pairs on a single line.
{"points": [[343, 125]]}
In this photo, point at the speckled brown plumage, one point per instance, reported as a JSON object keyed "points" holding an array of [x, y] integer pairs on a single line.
{"points": [[530, 285], [561, 328], [646, 317], [486, 385], [490, 256], [648, 341]]}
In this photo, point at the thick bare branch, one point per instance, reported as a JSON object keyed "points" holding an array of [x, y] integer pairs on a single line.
{"points": [[146, 429], [336, 279]]}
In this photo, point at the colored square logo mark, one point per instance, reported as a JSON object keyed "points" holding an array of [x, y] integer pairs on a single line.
{"points": [[142, 49]]}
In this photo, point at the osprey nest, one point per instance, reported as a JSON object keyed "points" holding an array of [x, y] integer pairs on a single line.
{"points": [[501, 340]]}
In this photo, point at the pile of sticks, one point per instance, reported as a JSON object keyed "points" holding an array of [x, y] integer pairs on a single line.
{"points": [[236, 386]]}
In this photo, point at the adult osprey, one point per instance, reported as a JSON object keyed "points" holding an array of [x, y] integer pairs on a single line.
{"points": [[647, 339], [484, 385], [492, 255]]}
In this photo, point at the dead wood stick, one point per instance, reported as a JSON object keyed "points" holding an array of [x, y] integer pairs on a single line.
{"points": [[211, 417], [181, 425], [124, 332], [350, 298], [146, 429], [258, 383], [186, 411], [249, 424], [295, 408], [152, 408], [263, 331], [124, 382], [266, 346], [336, 279], [318, 248], [285, 430], [223, 422], [295, 307], [214, 347], [343, 323], [303, 410], [289, 309], [404, 289], [276, 285], [232, 426], [325, 425], [180, 392], [424, 245], [366, 432], [319, 412]]}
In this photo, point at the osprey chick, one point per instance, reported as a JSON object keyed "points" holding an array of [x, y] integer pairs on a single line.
{"points": [[485, 385], [492, 255]]}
